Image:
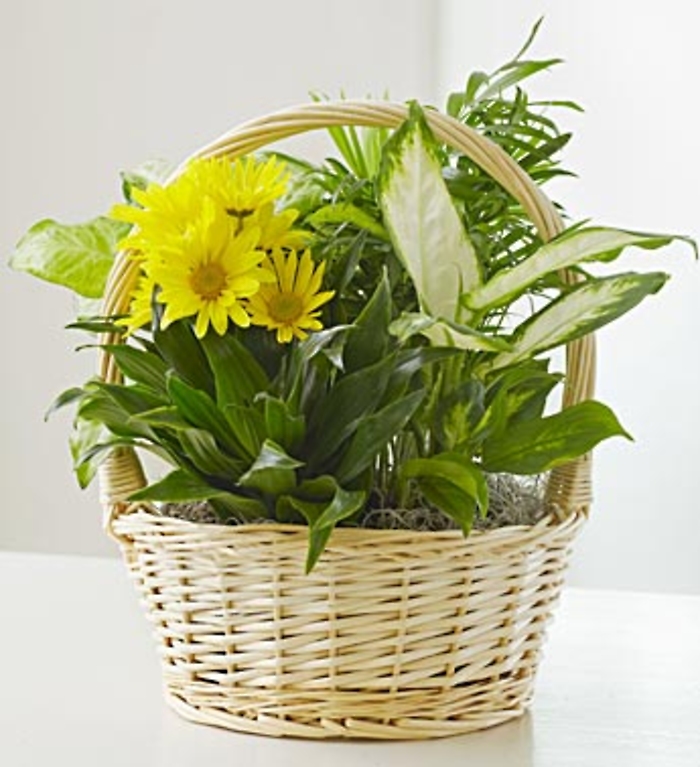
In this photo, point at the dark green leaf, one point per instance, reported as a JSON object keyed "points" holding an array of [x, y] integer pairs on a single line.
{"points": [[238, 376], [373, 434], [183, 353], [140, 366], [368, 341]]}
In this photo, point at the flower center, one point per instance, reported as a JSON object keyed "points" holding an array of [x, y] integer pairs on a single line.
{"points": [[208, 281], [285, 307]]}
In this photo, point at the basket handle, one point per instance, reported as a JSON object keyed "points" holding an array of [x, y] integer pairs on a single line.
{"points": [[569, 486]]}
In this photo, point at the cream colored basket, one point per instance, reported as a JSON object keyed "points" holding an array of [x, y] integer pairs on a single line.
{"points": [[394, 634]]}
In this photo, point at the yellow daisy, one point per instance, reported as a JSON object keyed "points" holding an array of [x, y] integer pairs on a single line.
{"points": [[165, 213], [290, 304], [208, 273], [140, 308]]}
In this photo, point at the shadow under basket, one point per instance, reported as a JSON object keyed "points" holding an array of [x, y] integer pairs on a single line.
{"points": [[394, 635]]}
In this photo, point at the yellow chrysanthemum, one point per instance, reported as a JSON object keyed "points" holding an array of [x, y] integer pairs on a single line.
{"points": [[208, 273], [290, 305], [165, 213], [245, 189], [140, 308]]}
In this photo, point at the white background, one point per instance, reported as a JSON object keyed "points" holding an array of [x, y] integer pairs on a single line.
{"points": [[92, 87]]}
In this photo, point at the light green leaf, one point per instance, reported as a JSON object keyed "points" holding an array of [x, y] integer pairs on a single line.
{"points": [[346, 213], [85, 435], [579, 312], [423, 222], [444, 333], [77, 256], [565, 251], [535, 446], [154, 171]]}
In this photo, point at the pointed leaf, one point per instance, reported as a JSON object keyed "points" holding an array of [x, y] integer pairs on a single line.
{"points": [[368, 340], [582, 310], [237, 374], [140, 366], [273, 472], [373, 434], [565, 251], [422, 220], [532, 447]]}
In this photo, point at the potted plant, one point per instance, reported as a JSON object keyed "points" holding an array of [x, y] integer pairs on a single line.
{"points": [[320, 352]]}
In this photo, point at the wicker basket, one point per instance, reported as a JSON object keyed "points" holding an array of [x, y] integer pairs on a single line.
{"points": [[394, 634]]}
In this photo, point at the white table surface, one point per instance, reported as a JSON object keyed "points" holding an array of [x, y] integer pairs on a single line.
{"points": [[619, 686]]}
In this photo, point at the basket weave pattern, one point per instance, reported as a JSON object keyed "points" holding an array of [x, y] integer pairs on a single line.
{"points": [[394, 634]]}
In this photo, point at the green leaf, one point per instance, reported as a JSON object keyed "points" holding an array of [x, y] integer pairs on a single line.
{"points": [[273, 472], [337, 415], [451, 482], [201, 449], [347, 213], [183, 353], [565, 251], [238, 376], [281, 425], [67, 397], [532, 447], [77, 256], [177, 487], [323, 503], [368, 341], [85, 435], [373, 434], [578, 312], [201, 411], [140, 366], [423, 222]]}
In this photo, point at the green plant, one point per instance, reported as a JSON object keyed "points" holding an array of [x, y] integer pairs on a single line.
{"points": [[305, 344]]}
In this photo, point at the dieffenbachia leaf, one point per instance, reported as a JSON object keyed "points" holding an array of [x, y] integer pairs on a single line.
{"points": [[77, 256], [423, 223], [535, 446], [590, 244], [442, 332], [579, 312]]}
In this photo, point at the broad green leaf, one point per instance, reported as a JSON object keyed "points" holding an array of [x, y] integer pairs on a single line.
{"points": [[237, 374], [183, 352], [273, 472], [281, 425], [248, 427], [354, 397], [578, 312], [177, 487], [201, 449], [458, 415], [77, 256], [423, 222], [456, 470], [85, 435], [373, 434], [165, 417], [565, 251], [368, 339], [140, 366], [532, 447], [201, 411], [346, 213]]}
